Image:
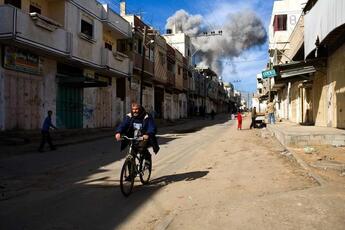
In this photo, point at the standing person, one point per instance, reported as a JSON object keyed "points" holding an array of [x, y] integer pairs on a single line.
{"points": [[253, 115], [270, 110], [136, 124], [45, 132], [239, 121]]}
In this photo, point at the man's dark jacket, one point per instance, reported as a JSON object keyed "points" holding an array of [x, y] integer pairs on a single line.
{"points": [[148, 127]]}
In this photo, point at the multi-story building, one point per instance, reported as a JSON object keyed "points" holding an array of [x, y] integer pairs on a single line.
{"points": [[324, 45], [63, 56], [142, 55], [181, 42], [171, 82], [259, 100], [309, 77], [161, 78]]}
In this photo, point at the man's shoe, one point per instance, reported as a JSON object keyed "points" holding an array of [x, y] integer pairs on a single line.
{"points": [[40, 150], [52, 149]]}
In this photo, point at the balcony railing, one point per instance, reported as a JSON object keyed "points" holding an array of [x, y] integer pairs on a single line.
{"points": [[116, 61], [148, 65], [171, 78], [35, 31], [92, 7], [116, 21]]}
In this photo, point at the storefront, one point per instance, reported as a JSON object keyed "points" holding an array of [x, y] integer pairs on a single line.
{"points": [[22, 94]]}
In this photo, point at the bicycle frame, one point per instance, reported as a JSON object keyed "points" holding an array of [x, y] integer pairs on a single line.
{"points": [[134, 163], [133, 153]]}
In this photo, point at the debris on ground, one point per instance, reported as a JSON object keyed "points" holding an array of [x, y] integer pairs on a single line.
{"points": [[309, 149]]}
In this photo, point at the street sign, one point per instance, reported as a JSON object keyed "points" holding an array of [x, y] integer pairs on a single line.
{"points": [[269, 73]]}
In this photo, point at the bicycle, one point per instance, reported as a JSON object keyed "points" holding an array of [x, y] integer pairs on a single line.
{"points": [[135, 164]]}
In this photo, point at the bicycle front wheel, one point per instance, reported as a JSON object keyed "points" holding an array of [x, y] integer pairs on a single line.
{"points": [[145, 170], [127, 177]]}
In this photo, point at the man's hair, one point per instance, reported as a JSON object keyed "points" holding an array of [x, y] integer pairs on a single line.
{"points": [[135, 104], [50, 112]]}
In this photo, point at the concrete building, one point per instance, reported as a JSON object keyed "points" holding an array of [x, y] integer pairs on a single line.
{"points": [[142, 54], [182, 43], [324, 32], [63, 56], [309, 81], [161, 78]]}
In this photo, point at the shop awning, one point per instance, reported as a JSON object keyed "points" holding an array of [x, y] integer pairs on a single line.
{"points": [[297, 71], [300, 69], [80, 81]]}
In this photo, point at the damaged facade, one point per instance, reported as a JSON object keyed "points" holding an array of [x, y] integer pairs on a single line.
{"points": [[86, 63], [308, 60]]}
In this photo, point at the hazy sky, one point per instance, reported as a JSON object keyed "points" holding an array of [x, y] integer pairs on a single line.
{"points": [[242, 70]]}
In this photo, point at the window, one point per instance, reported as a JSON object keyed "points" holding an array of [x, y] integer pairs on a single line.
{"points": [[34, 9], [171, 67], [108, 46], [86, 28], [140, 44], [121, 88], [179, 70], [121, 45], [279, 22], [15, 3]]}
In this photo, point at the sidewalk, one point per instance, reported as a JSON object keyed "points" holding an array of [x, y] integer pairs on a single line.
{"points": [[294, 135], [26, 141], [320, 150]]}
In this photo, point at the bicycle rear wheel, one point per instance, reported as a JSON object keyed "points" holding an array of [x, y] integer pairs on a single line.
{"points": [[127, 177], [145, 169]]}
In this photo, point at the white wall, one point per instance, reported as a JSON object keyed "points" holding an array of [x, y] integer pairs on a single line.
{"points": [[293, 10], [49, 88], [84, 49]]}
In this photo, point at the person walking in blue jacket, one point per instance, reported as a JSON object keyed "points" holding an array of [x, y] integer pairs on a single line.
{"points": [[45, 132]]}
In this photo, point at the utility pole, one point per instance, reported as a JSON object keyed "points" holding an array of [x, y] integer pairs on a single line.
{"points": [[142, 66]]}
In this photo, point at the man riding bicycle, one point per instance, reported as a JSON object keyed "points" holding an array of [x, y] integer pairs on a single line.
{"points": [[136, 124]]}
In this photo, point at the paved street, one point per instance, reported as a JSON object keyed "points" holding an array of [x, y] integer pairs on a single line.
{"points": [[214, 177]]}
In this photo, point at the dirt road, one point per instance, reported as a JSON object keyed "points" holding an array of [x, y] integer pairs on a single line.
{"points": [[213, 178]]}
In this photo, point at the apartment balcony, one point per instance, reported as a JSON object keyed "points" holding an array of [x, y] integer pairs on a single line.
{"points": [[171, 78], [148, 65], [116, 62], [116, 22], [33, 30], [296, 39], [92, 6]]}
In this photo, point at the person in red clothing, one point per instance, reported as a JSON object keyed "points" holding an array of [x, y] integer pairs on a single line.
{"points": [[239, 120]]}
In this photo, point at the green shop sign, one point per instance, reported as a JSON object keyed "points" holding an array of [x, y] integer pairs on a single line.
{"points": [[269, 73]]}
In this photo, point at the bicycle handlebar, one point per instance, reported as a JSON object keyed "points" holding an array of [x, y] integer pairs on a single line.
{"points": [[132, 138]]}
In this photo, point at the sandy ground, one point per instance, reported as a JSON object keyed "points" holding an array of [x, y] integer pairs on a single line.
{"points": [[326, 161], [211, 178], [239, 180]]}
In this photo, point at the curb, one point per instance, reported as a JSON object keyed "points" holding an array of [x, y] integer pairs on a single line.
{"points": [[306, 167], [292, 155]]}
